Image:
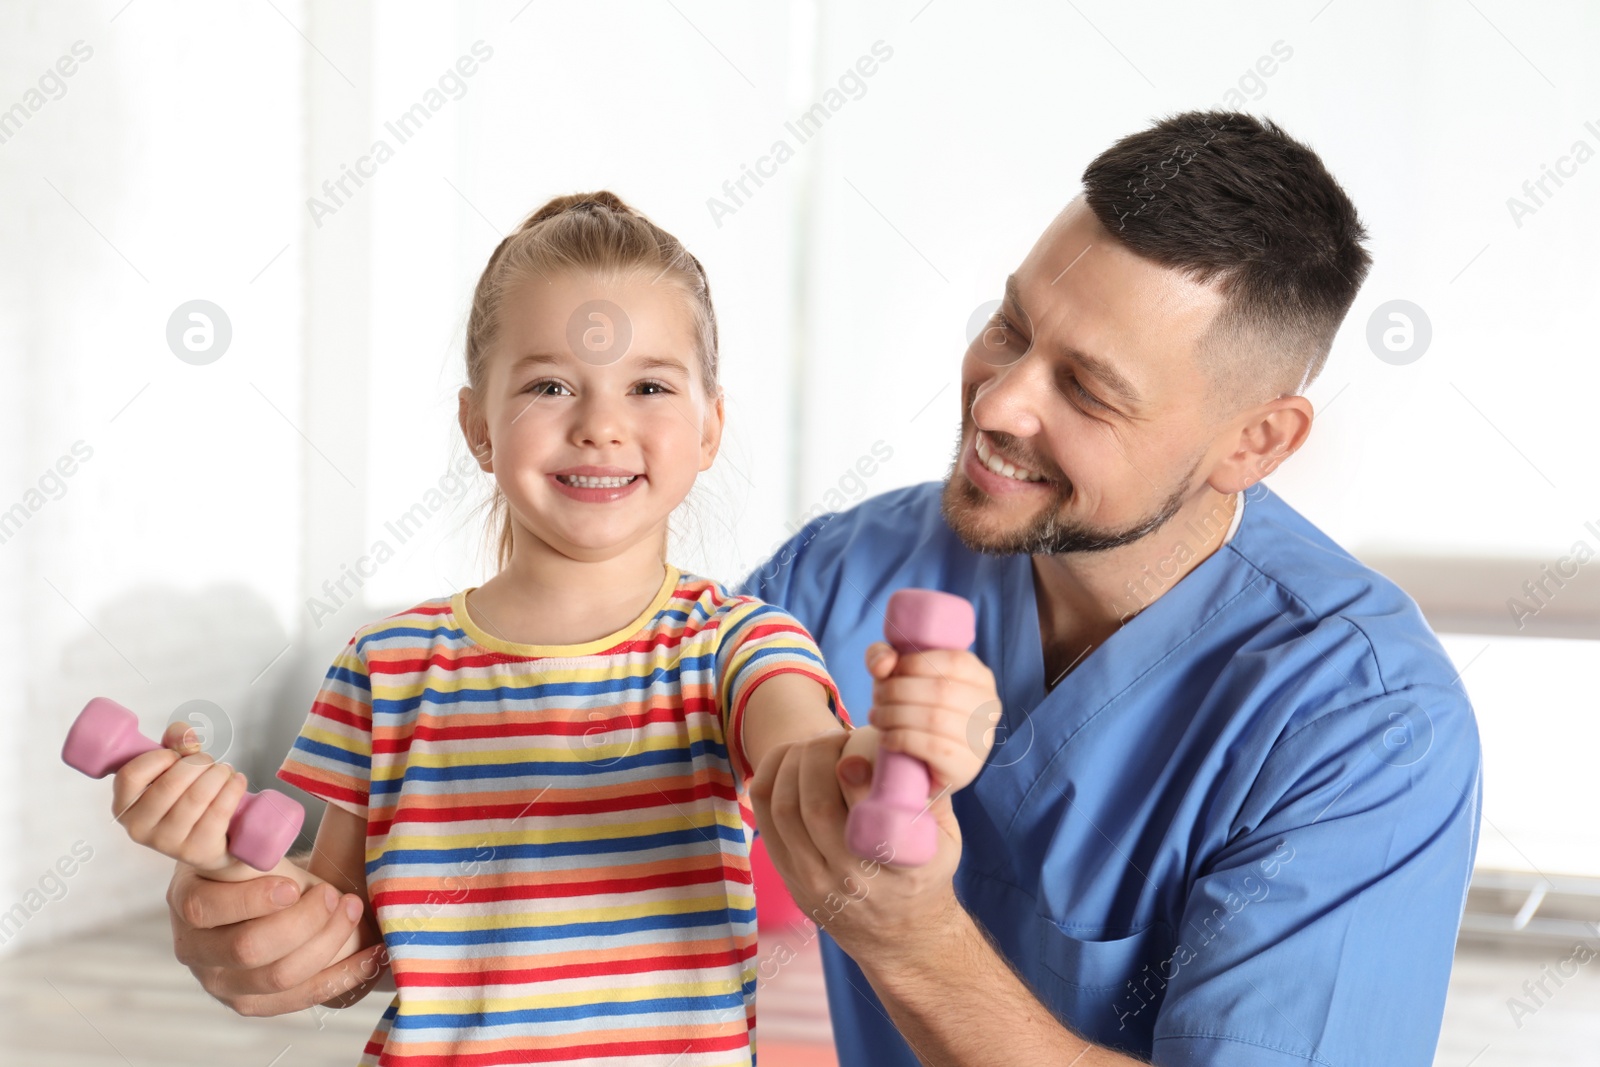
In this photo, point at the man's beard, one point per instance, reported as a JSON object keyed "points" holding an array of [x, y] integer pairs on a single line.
{"points": [[1048, 534]]}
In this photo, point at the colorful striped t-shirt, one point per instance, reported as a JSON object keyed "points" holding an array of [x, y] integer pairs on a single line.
{"points": [[557, 844]]}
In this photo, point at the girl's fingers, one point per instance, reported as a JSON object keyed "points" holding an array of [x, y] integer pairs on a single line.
{"points": [[135, 776], [142, 791], [881, 659], [898, 718], [943, 663], [930, 692], [150, 794], [213, 822], [954, 744], [174, 835], [179, 737], [948, 760]]}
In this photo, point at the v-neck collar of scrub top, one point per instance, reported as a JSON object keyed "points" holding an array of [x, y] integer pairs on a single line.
{"points": [[1042, 724]]}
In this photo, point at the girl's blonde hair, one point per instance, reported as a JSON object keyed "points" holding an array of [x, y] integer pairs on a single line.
{"points": [[596, 233]]}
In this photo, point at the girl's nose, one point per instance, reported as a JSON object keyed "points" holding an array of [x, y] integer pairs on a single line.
{"points": [[599, 422]]}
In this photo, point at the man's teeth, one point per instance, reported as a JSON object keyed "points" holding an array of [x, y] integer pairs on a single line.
{"points": [[1002, 468], [584, 481]]}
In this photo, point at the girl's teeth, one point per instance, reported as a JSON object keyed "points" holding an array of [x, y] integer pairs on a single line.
{"points": [[583, 481]]}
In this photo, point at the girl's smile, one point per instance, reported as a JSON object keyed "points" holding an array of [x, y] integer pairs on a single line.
{"points": [[596, 485]]}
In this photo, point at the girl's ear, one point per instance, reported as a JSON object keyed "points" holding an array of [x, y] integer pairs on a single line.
{"points": [[475, 430], [711, 434]]}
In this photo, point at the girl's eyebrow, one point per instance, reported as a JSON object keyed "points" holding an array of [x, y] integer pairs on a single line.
{"points": [[532, 358], [643, 362], [663, 363]]}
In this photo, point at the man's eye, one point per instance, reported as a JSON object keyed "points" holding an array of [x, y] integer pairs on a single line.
{"points": [[1000, 332], [1083, 394]]}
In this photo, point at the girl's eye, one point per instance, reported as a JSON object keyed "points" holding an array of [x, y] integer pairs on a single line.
{"points": [[659, 388], [543, 387]]}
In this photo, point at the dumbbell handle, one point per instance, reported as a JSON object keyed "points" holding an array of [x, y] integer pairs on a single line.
{"points": [[917, 620], [106, 735]]}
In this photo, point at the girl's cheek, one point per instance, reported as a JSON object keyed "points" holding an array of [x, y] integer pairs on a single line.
{"points": [[668, 424]]}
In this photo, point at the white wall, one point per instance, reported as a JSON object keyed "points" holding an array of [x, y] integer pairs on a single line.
{"points": [[977, 131], [164, 568]]}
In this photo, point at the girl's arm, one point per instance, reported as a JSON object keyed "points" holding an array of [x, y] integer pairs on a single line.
{"points": [[792, 707], [940, 706], [784, 708]]}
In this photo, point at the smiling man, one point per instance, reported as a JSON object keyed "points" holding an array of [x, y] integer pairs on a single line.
{"points": [[1232, 808]]}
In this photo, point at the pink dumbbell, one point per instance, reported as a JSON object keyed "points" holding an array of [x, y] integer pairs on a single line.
{"points": [[918, 620], [106, 735]]}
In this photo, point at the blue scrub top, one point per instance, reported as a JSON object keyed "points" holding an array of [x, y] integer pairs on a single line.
{"points": [[1239, 832]]}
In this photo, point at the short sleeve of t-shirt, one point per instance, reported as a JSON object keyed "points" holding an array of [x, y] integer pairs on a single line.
{"points": [[332, 757], [757, 641]]}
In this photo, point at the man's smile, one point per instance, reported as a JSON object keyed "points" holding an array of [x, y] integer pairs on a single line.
{"points": [[1001, 466]]}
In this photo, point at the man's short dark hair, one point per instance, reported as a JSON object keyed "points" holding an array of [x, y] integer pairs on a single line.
{"points": [[1222, 195]]}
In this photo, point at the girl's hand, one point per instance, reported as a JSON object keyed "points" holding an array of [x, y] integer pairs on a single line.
{"points": [[178, 801], [940, 706]]}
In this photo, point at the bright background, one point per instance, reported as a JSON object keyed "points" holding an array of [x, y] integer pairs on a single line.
{"points": [[176, 162]]}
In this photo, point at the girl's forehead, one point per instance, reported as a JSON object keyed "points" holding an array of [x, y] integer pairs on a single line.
{"points": [[586, 309]]}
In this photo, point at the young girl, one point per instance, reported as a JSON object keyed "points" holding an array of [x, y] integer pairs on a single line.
{"points": [[539, 783]]}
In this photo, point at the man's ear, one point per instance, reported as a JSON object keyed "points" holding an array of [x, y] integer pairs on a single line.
{"points": [[474, 429], [1261, 439], [711, 434]]}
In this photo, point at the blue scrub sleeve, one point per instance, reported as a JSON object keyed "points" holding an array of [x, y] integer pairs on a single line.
{"points": [[775, 579], [1323, 932]]}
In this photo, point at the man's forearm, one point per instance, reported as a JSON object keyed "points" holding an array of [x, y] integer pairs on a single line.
{"points": [[956, 1002]]}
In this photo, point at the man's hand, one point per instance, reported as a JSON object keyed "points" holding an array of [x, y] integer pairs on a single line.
{"points": [[940, 706], [870, 908], [945, 987], [261, 948]]}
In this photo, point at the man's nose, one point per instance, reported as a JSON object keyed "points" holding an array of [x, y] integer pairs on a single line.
{"points": [[1009, 401]]}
